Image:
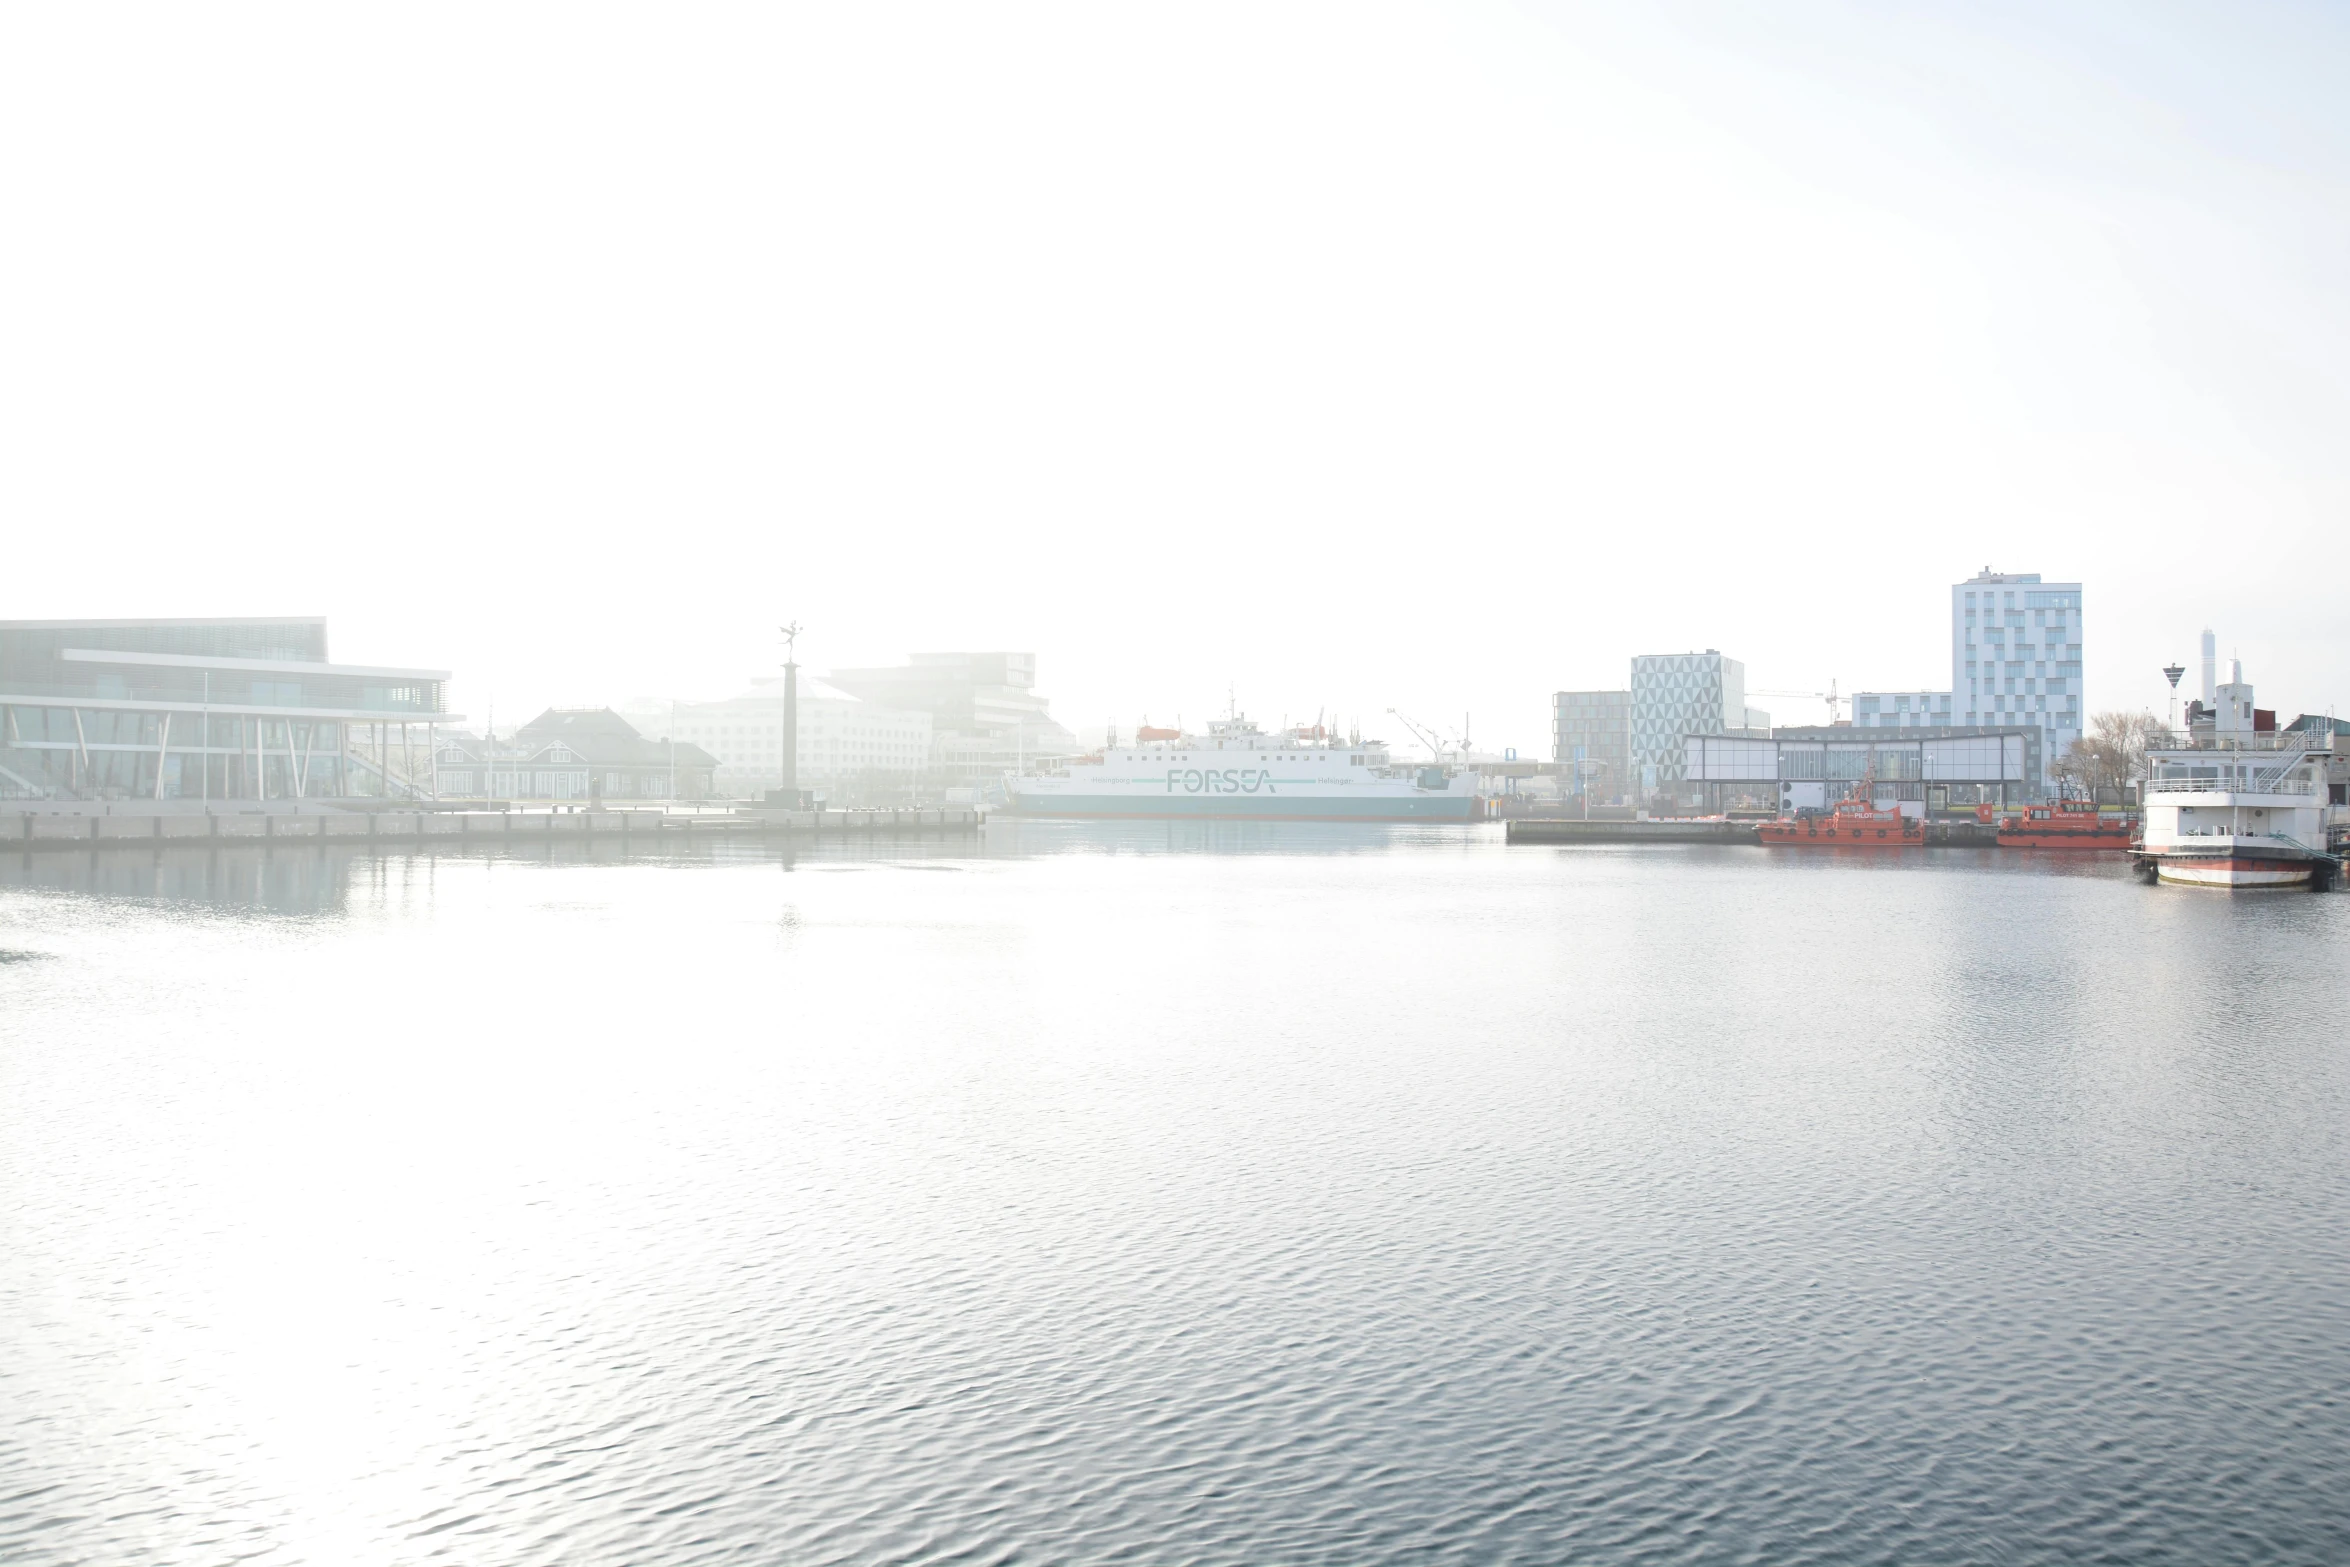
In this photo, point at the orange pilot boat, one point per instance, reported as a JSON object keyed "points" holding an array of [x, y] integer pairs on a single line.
{"points": [[1853, 824], [2064, 824]]}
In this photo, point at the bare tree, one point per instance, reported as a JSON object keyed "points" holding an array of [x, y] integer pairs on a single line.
{"points": [[2077, 771], [2111, 754]]}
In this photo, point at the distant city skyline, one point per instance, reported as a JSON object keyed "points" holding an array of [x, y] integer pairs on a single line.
{"points": [[1455, 356]]}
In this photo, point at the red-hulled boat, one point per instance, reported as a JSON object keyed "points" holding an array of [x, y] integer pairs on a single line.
{"points": [[2065, 824], [1853, 824]]}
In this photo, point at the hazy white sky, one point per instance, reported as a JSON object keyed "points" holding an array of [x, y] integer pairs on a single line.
{"points": [[1369, 356]]}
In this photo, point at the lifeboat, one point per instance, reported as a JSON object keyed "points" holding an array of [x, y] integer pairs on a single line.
{"points": [[1853, 824], [2064, 824]]}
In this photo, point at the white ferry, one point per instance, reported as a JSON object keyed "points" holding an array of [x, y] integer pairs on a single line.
{"points": [[1237, 770], [2231, 804]]}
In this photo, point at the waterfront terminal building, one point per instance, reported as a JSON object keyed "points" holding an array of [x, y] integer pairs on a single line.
{"points": [[206, 710], [1811, 767]]}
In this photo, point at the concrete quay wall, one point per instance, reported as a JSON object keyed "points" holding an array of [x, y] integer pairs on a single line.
{"points": [[1545, 829], [124, 825]]}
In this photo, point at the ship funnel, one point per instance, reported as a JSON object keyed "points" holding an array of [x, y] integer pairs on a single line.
{"points": [[2210, 668]]}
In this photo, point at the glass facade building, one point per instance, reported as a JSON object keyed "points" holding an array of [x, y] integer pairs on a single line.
{"points": [[1812, 766], [222, 710]]}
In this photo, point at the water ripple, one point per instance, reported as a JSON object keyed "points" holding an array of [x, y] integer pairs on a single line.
{"points": [[1368, 1198]]}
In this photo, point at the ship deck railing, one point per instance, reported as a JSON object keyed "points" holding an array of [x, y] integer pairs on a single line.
{"points": [[2204, 744], [2280, 754], [2313, 791]]}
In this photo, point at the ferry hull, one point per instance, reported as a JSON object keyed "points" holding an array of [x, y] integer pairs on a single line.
{"points": [[2233, 871], [1296, 808]]}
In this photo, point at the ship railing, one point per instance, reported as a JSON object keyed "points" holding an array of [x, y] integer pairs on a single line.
{"points": [[2254, 785], [2191, 834], [2275, 778], [2204, 741], [2318, 854], [2271, 780]]}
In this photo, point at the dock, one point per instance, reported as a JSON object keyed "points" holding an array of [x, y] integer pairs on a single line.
{"points": [[1707, 829], [1553, 829], [52, 825]]}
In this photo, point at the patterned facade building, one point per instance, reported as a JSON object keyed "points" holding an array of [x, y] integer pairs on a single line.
{"points": [[1676, 695]]}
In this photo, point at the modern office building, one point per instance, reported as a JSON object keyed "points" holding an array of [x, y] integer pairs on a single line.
{"points": [[221, 710], [1901, 709], [581, 754], [2015, 657], [842, 741], [985, 716], [1591, 739], [1676, 695]]}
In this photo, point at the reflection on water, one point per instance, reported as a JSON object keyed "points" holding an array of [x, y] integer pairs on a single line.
{"points": [[1205, 1192], [322, 878], [318, 877]]}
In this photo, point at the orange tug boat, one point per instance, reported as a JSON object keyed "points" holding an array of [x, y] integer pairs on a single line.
{"points": [[1853, 824], [2063, 824]]}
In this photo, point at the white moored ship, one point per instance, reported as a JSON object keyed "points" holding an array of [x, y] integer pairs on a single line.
{"points": [[2232, 803], [1237, 770]]}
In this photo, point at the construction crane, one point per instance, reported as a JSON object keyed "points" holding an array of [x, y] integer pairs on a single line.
{"points": [[1828, 696], [1426, 737]]}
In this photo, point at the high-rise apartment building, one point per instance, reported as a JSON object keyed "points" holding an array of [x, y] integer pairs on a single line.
{"points": [[1901, 709], [2015, 656]]}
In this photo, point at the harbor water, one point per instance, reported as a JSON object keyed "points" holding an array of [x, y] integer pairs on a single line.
{"points": [[1200, 1193]]}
